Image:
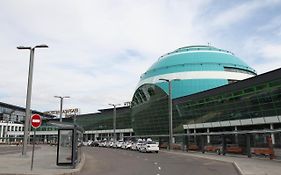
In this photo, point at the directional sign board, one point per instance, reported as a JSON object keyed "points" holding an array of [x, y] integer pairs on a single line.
{"points": [[36, 121]]}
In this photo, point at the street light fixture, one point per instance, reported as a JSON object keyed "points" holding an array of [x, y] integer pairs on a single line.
{"points": [[114, 120], [170, 110], [61, 102], [29, 90]]}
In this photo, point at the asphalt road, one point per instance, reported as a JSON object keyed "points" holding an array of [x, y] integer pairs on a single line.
{"points": [[103, 161]]}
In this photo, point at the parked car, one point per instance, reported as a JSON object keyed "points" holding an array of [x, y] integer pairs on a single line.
{"points": [[114, 144], [123, 146], [128, 145], [95, 143], [138, 144], [85, 143], [134, 146], [149, 146], [89, 142], [102, 143], [111, 144], [119, 143]]}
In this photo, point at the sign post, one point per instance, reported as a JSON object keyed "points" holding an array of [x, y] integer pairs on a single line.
{"points": [[36, 122]]}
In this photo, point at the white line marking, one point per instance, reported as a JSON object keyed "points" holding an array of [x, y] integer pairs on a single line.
{"points": [[159, 168], [155, 163], [36, 120]]}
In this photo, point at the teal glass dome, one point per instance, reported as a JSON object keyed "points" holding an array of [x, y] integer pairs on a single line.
{"points": [[198, 68]]}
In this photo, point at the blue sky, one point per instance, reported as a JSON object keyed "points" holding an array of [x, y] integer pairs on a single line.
{"points": [[99, 49]]}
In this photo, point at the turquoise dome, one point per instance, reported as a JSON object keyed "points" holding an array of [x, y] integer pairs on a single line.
{"points": [[198, 67]]}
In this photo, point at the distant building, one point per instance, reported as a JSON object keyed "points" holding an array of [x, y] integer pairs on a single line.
{"points": [[12, 118]]}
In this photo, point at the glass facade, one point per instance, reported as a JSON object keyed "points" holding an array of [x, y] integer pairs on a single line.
{"points": [[149, 111], [104, 119], [259, 100], [252, 98]]}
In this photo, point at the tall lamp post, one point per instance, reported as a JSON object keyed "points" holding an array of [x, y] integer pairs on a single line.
{"points": [[170, 110], [61, 103], [114, 120], [28, 95]]}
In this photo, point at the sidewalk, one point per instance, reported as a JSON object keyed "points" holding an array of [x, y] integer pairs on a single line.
{"points": [[244, 165], [44, 163]]}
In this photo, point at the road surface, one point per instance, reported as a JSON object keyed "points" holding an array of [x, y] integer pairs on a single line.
{"points": [[107, 161]]}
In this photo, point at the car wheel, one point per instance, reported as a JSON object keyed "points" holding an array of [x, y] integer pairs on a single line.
{"points": [[156, 151]]}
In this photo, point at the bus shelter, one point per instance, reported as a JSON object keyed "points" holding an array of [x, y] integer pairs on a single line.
{"points": [[69, 144]]}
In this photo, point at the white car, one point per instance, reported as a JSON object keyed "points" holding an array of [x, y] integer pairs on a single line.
{"points": [[123, 146], [149, 146], [129, 145], [119, 144], [134, 146], [102, 143], [138, 144]]}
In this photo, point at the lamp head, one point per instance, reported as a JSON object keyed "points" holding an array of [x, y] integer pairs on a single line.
{"points": [[23, 47], [41, 46]]}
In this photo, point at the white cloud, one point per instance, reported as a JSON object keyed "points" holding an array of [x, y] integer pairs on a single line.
{"points": [[240, 12], [272, 26], [262, 54], [271, 51], [97, 49]]}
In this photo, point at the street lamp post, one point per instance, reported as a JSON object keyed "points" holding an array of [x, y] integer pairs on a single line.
{"points": [[28, 95], [61, 103], [114, 120], [170, 110]]}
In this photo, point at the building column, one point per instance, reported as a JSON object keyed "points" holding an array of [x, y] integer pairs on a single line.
{"points": [[1, 132], [96, 136], [208, 136], [248, 145], [195, 141], [121, 136], [272, 134], [45, 139], [187, 139], [236, 135], [6, 133]]}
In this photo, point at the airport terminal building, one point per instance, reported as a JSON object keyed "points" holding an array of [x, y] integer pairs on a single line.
{"points": [[216, 98]]}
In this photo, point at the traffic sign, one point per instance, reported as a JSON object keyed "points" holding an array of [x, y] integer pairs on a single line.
{"points": [[36, 121]]}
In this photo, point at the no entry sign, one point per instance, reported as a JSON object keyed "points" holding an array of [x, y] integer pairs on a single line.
{"points": [[36, 121]]}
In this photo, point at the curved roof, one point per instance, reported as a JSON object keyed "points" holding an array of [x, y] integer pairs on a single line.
{"points": [[195, 55], [198, 68]]}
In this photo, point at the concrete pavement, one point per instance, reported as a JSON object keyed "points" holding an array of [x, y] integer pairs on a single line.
{"points": [[44, 163], [244, 165]]}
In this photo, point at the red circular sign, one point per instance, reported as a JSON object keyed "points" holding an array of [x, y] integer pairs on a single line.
{"points": [[36, 121]]}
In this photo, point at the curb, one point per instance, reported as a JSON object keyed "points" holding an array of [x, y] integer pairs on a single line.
{"points": [[238, 169], [79, 166]]}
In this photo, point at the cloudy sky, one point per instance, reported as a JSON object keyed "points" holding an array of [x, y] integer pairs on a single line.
{"points": [[98, 49]]}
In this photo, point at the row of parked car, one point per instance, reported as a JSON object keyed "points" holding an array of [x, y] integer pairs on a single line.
{"points": [[141, 145]]}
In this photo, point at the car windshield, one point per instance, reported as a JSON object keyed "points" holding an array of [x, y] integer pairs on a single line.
{"points": [[151, 142]]}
